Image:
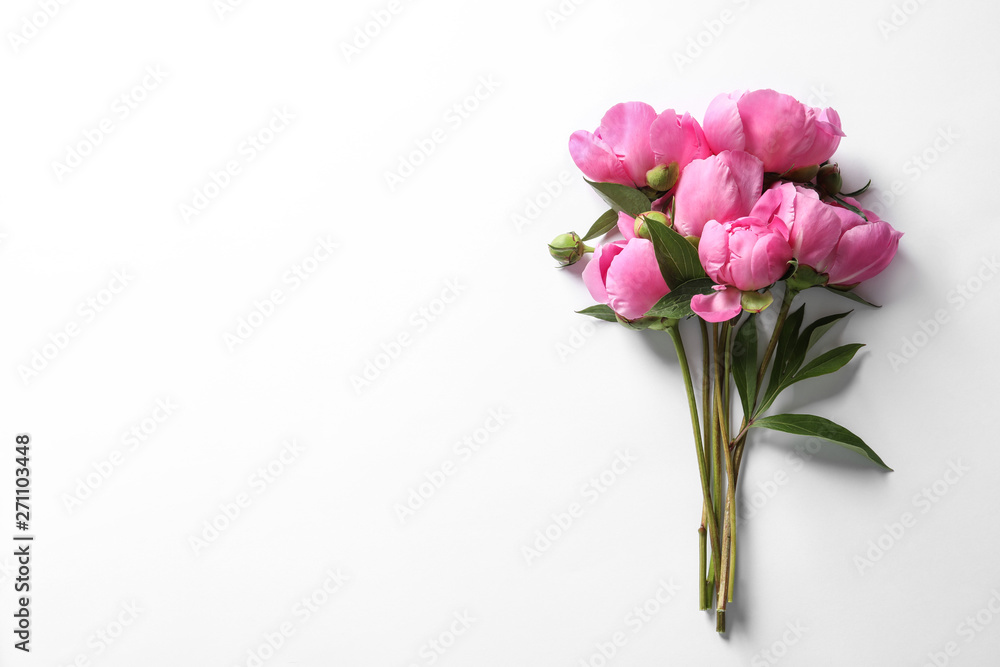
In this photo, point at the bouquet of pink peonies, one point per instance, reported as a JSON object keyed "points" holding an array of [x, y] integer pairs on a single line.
{"points": [[712, 219]]}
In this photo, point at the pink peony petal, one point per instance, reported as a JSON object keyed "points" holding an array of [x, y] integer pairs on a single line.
{"points": [[748, 172], [596, 271], [814, 233], [677, 139], [826, 139], [863, 252], [625, 127], [720, 306], [723, 126], [708, 191], [634, 282], [626, 225], [597, 160], [777, 128], [713, 251]]}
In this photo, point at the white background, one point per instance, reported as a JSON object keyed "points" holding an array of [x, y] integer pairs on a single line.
{"points": [[501, 344]]}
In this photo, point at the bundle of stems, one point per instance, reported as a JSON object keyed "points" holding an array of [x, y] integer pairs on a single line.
{"points": [[719, 453]]}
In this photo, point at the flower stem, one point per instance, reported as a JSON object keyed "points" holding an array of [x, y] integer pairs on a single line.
{"points": [[786, 303], [707, 440], [726, 582], [706, 390], [716, 474], [721, 379], [740, 442], [675, 335], [702, 579]]}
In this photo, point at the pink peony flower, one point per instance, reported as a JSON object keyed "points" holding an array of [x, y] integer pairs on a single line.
{"points": [[632, 139], [781, 131], [864, 248], [814, 227], [625, 276], [743, 255], [721, 187]]}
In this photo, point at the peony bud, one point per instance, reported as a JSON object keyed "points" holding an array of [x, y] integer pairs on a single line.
{"points": [[802, 174], [663, 177], [652, 217], [568, 249], [829, 181]]}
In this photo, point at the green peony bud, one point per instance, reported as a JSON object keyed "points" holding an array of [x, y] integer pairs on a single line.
{"points": [[829, 181], [568, 248], [802, 174], [663, 177], [649, 217]]}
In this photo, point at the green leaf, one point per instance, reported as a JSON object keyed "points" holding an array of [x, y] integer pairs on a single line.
{"points": [[851, 207], [677, 304], [808, 338], [622, 197], [678, 259], [826, 363], [745, 363], [819, 427], [601, 312], [849, 294], [604, 224], [859, 191]]}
